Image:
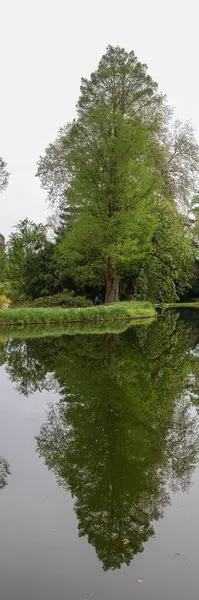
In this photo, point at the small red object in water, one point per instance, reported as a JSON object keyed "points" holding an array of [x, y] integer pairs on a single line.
{"points": [[139, 580]]}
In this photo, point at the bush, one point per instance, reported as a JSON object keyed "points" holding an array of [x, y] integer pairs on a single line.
{"points": [[64, 299], [4, 301], [6, 289]]}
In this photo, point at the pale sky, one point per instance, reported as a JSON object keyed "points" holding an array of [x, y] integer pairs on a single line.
{"points": [[47, 46]]}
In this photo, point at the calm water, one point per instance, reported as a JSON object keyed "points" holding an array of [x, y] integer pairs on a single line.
{"points": [[99, 478]]}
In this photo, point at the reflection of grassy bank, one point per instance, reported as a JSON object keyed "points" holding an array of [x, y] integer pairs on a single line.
{"points": [[70, 329], [52, 316]]}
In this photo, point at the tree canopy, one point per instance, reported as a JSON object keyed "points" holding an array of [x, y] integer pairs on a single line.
{"points": [[115, 172], [29, 264], [121, 180]]}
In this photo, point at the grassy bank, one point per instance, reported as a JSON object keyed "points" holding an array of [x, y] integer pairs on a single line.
{"points": [[120, 311], [179, 305]]}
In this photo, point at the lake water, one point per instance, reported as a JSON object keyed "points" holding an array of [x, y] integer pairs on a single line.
{"points": [[99, 477]]}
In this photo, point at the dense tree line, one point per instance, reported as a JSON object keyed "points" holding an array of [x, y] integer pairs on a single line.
{"points": [[120, 180]]}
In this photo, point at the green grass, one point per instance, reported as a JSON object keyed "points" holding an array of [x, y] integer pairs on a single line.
{"points": [[43, 331], [51, 316], [178, 305]]}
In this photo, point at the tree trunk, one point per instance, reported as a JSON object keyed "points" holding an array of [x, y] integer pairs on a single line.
{"points": [[112, 288]]}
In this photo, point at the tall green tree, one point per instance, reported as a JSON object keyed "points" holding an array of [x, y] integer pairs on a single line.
{"points": [[29, 257], [113, 166], [113, 182]]}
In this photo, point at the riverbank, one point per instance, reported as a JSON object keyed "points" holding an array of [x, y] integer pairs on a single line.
{"points": [[120, 311], [178, 305]]}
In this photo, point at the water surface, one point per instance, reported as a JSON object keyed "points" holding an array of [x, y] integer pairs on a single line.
{"points": [[99, 479]]}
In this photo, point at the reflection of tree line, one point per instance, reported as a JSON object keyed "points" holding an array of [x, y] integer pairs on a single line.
{"points": [[4, 465], [122, 429]]}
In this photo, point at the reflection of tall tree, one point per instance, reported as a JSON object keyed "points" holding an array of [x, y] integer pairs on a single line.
{"points": [[103, 458], [4, 472], [122, 427], [25, 368]]}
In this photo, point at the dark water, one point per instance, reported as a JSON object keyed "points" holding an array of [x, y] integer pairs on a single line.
{"points": [[99, 479]]}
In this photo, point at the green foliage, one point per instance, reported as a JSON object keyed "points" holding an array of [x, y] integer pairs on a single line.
{"points": [[65, 299], [168, 270], [2, 265], [194, 304], [29, 261], [4, 175], [121, 164], [115, 177], [110, 193], [5, 288], [3, 260]]}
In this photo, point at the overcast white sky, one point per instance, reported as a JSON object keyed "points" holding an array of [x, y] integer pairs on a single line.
{"points": [[45, 48]]}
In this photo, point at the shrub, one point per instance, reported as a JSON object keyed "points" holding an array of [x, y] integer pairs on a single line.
{"points": [[64, 299], [6, 289], [4, 301]]}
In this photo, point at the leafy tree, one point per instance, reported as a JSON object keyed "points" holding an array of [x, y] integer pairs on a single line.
{"points": [[52, 170], [168, 269], [40, 272], [113, 183], [115, 164], [177, 159], [30, 266], [4, 175]]}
